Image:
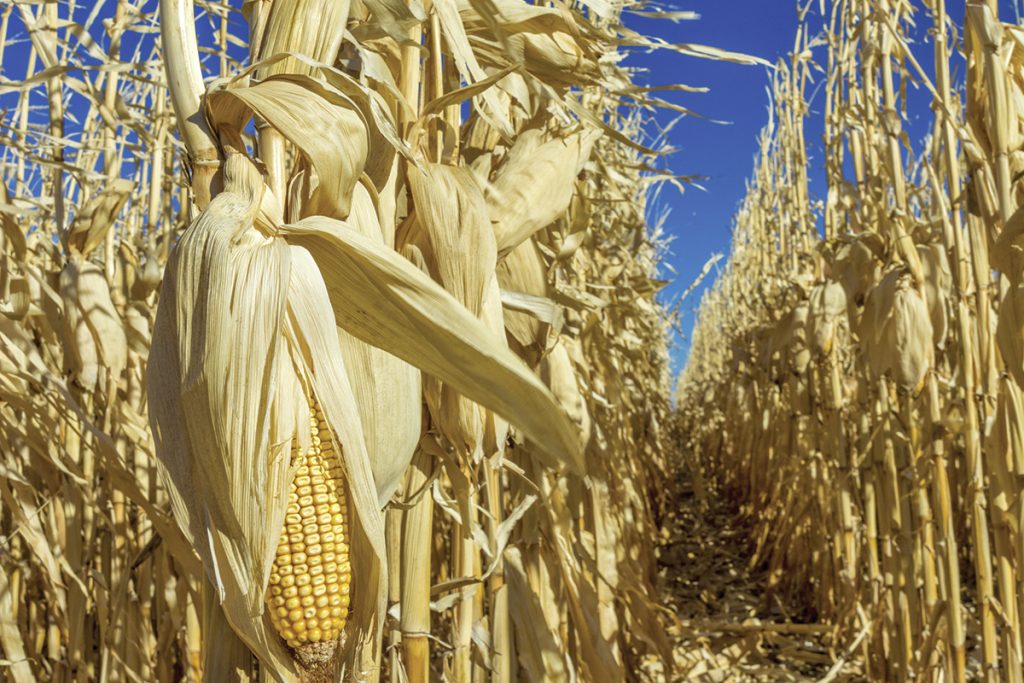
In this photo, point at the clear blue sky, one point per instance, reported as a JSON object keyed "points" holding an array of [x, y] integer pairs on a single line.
{"points": [[700, 221]]}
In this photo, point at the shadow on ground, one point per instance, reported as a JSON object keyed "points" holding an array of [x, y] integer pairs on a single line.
{"points": [[730, 627]]}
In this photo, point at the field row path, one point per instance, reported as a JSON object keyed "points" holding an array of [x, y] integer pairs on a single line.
{"points": [[730, 627]]}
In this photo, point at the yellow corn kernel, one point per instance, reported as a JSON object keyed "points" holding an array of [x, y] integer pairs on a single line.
{"points": [[312, 555]]}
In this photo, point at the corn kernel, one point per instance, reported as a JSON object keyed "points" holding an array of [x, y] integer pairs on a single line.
{"points": [[308, 590]]}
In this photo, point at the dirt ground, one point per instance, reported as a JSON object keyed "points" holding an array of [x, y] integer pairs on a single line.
{"points": [[730, 627]]}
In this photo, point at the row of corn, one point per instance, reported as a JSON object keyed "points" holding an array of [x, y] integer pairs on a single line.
{"points": [[855, 379], [329, 343]]}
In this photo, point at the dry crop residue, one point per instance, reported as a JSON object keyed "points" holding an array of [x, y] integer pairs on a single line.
{"points": [[731, 626]]}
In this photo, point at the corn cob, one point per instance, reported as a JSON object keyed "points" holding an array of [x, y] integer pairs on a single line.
{"points": [[308, 592]]}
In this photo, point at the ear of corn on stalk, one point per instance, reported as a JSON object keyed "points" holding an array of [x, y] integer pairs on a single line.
{"points": [[310, 580], [282, 221]]}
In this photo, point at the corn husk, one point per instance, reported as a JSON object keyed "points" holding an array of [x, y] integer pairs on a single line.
{"points": [[534, 185], [97, 217], [94, 325], [559, 372], [220, 414], [826, 316], [521, 274], [896, 331], [938, 282]]}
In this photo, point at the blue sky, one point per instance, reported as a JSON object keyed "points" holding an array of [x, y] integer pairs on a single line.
{"points": [[700, 221]]}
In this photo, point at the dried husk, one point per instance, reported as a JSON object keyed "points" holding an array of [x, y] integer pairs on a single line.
{"points": [[149, 277], [559, 372], [97, 217], [938, 282], [896, 331], [224, 421], [535, 185], [522, 271], [857, 267], [19, 299], [388, 390], [460, 248], [93, 323], [1010, 332], [826, 316]]}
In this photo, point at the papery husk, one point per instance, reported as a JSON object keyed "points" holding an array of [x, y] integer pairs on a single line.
{"points": [[149, 277], [93, 323], [938, 283], [1007, 256], [535, 185], [388, 390], [787, 345], [97, 217], [496, 427], [460, 247], [1010, 332], [241, 339], [826, 316], [857, 269], [522, 271], [19, 299], [799, 351], [911, 335], [126, 270], [341, 407], [896, 331], [559, 372], [138, 331]]}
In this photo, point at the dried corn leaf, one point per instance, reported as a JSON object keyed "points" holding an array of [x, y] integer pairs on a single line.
{"points": [[535, 185], [390, 304]]}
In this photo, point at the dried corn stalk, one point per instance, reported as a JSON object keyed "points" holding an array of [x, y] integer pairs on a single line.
{"points": [[881, 478], [258, 218]]}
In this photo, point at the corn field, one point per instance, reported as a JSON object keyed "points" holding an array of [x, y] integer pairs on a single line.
{"points": [[330, 347], [333, 347], [855, 384]]}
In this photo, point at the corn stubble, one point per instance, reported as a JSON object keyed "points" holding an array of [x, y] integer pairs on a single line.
{"points": [[309, 372], [858, 392]]}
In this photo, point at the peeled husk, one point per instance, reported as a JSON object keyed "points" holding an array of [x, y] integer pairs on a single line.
{"points": [[224, 420]]}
